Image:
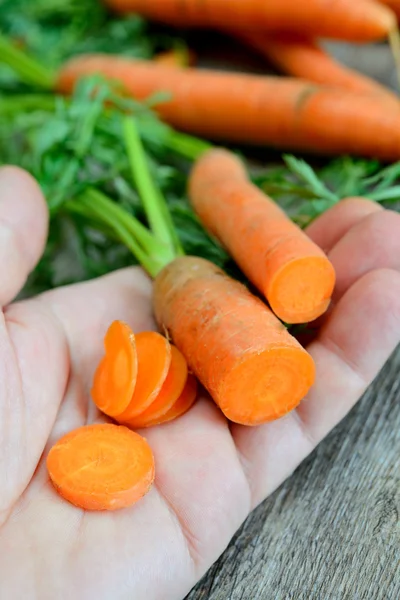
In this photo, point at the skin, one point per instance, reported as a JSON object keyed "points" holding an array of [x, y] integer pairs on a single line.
{"points": [[209, 475]]}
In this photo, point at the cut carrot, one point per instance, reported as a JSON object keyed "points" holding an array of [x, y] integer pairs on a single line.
{"points": [[101, 467], [302, 57], [360, 20], [276, 255], [170, 391], [154, 360], [115, 377], [242, 354], [237, 107], [179, 408]]}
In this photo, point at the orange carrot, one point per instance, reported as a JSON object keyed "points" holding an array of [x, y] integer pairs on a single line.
{"points": [[169, 393], [276, 255], [179, 408], [277, 111], [154, 360], [393, 4], [115, 377], [101, 467], [302, 57], [242, 354], [361, 20]]}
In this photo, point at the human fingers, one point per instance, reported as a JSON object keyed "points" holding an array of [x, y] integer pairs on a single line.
{"points": [[23, 229]]}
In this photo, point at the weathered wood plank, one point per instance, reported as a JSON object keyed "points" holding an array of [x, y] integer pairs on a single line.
{"points": [[332, 531]]}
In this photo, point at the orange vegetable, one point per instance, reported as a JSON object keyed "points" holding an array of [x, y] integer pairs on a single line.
{"points": [[277, 111], [101, 467], [115, 377], [393, 4], [180, 407], [276, 255], [170, 391], [242, 354], [154, 360], [303, 57], [360, 20]]}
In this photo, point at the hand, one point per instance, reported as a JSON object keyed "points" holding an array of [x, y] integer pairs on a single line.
{"points": [[210, 474]]}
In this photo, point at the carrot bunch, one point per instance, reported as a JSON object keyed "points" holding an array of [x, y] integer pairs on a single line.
{"points": [[142, 380]]}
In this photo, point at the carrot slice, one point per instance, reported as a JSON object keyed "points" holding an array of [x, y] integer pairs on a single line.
{"points": [[181, 406], [170, 392], [154, 360], [101, 467], [115, 377]]}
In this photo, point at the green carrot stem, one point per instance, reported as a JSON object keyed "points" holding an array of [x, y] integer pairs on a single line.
{"points": [[148, 242], [187, 146], [28, 70], [151, 265], [19, 103], [154, 204]]}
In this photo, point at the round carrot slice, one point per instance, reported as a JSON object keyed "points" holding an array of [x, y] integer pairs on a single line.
{"points": [[115, 377], [170, 392], [154, 360], [182, 405], [101, 467]]}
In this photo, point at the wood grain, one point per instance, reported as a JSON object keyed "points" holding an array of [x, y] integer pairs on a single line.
{"points": [[332, 531]]}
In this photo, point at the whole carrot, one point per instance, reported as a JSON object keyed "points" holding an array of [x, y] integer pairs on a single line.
{"points": [[253, 368], [275, 111], [363, 20], [302, 57], [276, 255]]}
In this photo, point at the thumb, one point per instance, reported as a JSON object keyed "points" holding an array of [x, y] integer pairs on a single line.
{"points": [[23, 229]]}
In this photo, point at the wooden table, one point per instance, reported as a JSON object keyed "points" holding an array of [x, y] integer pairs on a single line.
{"points": [[331, 531]]}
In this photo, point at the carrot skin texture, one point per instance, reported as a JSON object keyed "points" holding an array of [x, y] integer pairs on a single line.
{"points": [[302, 57], [276, 255], [101, 467], [363, 20], [276, 111], [241, 353]]}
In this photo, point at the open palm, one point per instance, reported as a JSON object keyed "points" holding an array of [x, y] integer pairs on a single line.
{"points": [[210, 473]]}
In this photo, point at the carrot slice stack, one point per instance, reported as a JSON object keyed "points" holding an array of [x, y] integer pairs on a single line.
{"points": [[115, 377], [101, 467], [178, 408], [172, 389], [154, 360]]}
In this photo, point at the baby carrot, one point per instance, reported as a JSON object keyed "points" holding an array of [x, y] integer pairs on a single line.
{"points": [[278, 111], [101, 467], [169, 393], [242, 354], [115, 377], [276, 255], [302, 57], [179, 408], [361, 20], [154, 360]]}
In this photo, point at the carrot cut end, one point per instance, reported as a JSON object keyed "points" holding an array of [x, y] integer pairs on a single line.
{"points": [[115, 376], [101, 467], [301, 290], [264, 387]]}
